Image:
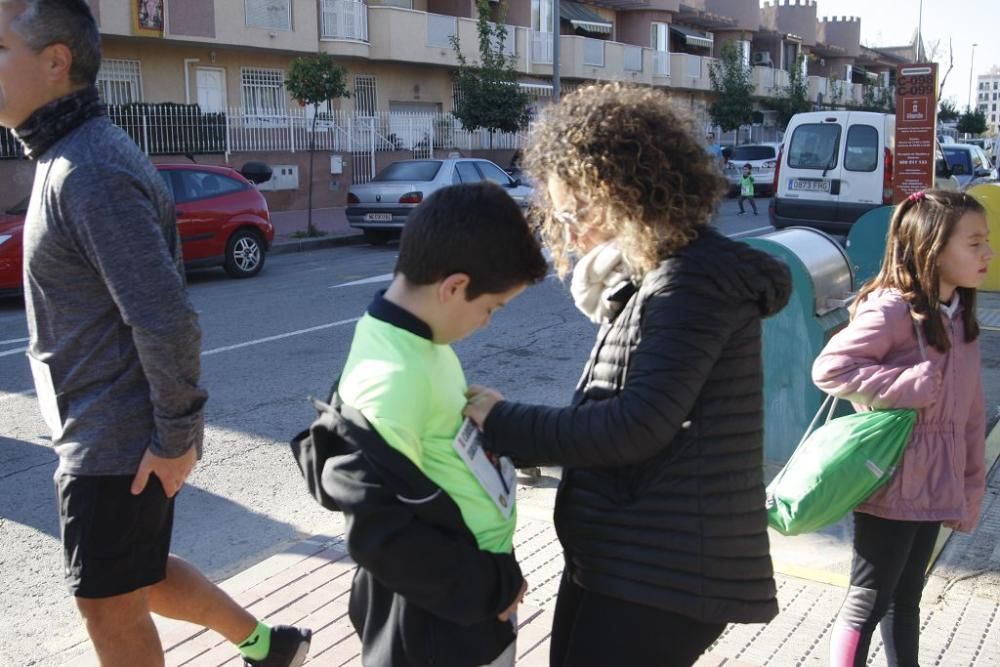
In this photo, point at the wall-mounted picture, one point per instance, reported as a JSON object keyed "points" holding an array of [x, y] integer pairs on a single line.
{"points": [[147, 17]]}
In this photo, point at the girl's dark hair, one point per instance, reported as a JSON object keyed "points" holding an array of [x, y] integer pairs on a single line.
{"points": [[634, 156], [918, 233], [476, 229]]}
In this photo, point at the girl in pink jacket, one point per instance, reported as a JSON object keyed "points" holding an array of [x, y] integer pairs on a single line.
{"points": [[912, 343]]}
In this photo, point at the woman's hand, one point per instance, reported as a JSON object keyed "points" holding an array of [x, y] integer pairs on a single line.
{"points": [[480, 401]]}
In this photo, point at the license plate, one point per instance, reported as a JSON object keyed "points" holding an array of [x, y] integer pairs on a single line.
{"points": [[807, 185], [378, 217]]}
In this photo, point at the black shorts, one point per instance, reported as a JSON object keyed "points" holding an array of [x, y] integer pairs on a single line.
{"points": [[113, 542]]}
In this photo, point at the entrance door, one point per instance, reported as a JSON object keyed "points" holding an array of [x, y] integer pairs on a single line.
{"points": [[211, 89]]}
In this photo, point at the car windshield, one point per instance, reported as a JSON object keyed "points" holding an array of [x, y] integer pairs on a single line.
{"points": [[20, 208], [748, 153], [958, 161], [422, 170]]}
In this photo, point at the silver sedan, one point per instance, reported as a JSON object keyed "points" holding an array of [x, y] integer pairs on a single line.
{"points": [[380, 208]]}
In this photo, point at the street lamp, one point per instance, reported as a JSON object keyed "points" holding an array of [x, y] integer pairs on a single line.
{"points": [[972, 68]]}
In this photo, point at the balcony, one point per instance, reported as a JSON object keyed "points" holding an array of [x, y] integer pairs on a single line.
{"points": [[690, 71], [769, 81], [541, 47], [661, 64], [405, 35], [344, 20]]}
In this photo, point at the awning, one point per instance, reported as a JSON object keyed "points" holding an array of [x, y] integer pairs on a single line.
{"points": [[583, 18], [693, 37]]}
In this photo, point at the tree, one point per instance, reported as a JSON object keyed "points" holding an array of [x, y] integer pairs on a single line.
{"points": [[732, 80], [972, 122], [794, 98], [315, 80], [947, 113], [489, 96]]}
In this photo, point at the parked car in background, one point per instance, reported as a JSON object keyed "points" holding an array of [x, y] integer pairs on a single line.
{"points": [[11, 226], [762, 158], [380, 207], [969, 164], [222, 220], [835, 166]]}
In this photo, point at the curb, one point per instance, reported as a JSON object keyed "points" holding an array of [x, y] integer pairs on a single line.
{"points": [[302, 245]]}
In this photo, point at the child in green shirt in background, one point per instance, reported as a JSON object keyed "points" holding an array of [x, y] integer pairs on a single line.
{"points": [[746, 189]]}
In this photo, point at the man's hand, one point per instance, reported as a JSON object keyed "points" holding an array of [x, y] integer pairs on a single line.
{"points": [[512, 609], [170, 472], [480, 401]]}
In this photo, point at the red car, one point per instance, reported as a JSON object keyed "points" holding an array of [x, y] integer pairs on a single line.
{"points": [[222, 218]]}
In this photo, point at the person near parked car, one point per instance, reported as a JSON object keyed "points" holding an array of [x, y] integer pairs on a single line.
{"points": [[912, 342], [660, 509], [114, 348], [747, 189]]}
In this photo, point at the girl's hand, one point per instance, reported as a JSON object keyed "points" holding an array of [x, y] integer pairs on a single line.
{"points": [[480, 401]]}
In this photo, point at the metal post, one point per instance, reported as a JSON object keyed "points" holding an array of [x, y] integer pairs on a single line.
{"points": [[555, 50], [972, 68], [920, 33]]}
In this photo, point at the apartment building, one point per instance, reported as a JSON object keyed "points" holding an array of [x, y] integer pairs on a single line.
{"points": [[988, 98], [230, 56]]}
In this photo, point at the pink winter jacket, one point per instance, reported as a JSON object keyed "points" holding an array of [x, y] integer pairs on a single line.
{"points": [[875, 362]]}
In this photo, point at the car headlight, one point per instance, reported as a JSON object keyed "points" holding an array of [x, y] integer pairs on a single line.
{"points": [[4, 238], [770, 164]]}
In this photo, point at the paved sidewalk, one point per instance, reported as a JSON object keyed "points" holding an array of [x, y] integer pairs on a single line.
{"points": [[331, 221]]}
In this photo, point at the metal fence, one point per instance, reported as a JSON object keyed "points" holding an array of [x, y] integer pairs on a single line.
{"points": [[178, 129]]}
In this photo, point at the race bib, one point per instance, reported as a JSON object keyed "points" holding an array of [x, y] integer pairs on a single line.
{"points": [[497, 476]]}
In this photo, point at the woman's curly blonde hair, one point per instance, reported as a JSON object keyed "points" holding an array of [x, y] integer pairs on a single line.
{"points": [[629, 154]]}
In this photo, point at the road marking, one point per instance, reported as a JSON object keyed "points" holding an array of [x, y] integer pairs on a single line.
{"points": [[14, 340], [365, 281], [751, 231], [238, 346], [10, 353]]}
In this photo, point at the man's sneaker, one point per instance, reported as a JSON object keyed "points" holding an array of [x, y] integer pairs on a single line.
{"points": [[289, 647], [740, 213]]}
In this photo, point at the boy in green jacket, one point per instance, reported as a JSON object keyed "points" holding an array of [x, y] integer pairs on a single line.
{"points": [[435, 585], [747, 189]]}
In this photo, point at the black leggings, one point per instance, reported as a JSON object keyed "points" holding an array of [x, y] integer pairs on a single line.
{"points": [[887, 580], [590, 629]]}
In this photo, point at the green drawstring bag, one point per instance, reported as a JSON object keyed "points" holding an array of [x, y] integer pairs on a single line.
{"points": [[836, 467]]}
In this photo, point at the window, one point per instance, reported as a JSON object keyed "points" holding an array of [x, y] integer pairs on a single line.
{"points": [[814, 146], [190, 185], [862, 148], [365, 101], [456, 94], [269, 14], [417, 170], [748, 153], [491, 172], [120, 81], [659, 36], [467, 172], [263, 91], [541, 15], [958, 161]]}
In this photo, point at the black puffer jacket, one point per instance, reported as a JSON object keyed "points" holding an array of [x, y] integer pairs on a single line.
{"points": [[662, 498]]}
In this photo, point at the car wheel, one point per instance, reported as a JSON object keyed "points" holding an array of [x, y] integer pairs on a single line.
{"points": [[378, 236], [244, 254]]}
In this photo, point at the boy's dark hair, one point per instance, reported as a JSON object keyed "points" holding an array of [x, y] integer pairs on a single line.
{"points": [[476, 229], [748, 166]]}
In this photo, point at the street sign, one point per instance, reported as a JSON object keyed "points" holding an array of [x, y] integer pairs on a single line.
{"points": [[916, 129]]}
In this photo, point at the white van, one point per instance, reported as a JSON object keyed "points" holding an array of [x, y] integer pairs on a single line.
{"points": [[835, 166]]}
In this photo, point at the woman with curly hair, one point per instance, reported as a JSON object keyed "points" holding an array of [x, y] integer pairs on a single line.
{"points": [[661, 506]]}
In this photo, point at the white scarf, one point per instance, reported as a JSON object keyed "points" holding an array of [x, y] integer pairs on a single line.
{"points": [[596, 277]]}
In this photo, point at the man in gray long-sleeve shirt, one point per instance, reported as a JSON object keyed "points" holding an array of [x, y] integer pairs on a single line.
{"points": [[115, 347]]}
